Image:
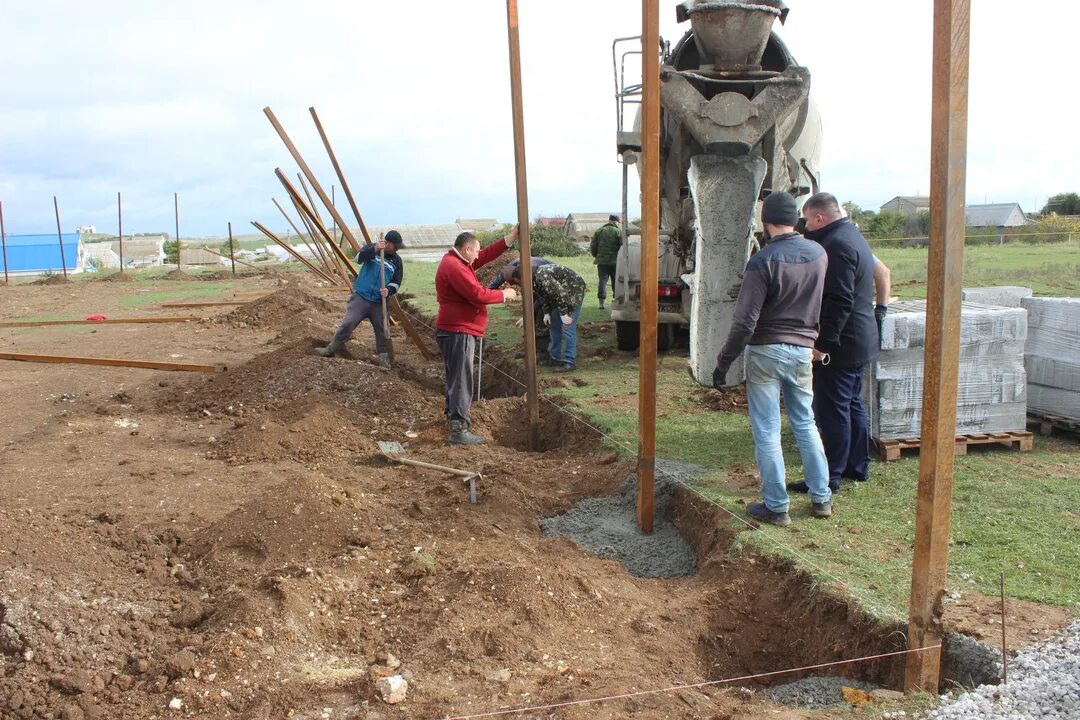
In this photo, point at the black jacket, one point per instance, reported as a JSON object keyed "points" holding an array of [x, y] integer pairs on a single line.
{"points": [[779, 299], [848, 329]]}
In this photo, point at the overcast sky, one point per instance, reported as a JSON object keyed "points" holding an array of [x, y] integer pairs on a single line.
{"points": [[148, 98]]}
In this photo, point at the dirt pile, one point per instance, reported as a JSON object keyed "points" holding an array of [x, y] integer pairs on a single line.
{"points": [[51, 280], [117, 277], [290, 306], [175, 274], [727, 400], [488, 272]]}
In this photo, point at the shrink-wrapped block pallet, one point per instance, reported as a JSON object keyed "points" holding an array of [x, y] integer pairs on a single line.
{"points": [[1052, 356], [992, 385]]}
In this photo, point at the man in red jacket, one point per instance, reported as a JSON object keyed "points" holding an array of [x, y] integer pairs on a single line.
{"points": [[462, 318]]}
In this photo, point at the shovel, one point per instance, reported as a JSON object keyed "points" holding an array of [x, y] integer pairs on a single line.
{"points": [[385, 314], [393, 452]]}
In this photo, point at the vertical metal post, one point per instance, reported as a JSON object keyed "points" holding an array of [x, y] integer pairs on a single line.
{"points": [[945, 276], [650, 232], [60, 237], [3, 242], [120, 229], [232, 251], [1004, 645], [176, 209], [333, 222], [524, 242]]}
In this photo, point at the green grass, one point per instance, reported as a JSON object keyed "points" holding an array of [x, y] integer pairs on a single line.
{"points": [[1013, 513], [1048, 269]]}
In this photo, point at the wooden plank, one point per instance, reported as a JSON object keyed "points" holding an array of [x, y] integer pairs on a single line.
{"points": [[399, 313], [110, 321], [215, 303], [113, 362], [341, 176], [650, 232], [261, 228]]}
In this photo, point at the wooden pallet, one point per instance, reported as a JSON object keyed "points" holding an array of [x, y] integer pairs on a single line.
{"points": [[1048, 422], [1024, 441]]}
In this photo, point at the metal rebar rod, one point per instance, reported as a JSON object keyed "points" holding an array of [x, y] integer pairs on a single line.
{"points": [[176, 209], [60, 237], [120, 229], [232, 251], [1004, 646], [3, 242]]}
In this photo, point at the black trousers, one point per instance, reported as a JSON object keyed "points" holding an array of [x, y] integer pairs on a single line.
{"points": [[457, 351], [841, 417], [605, 273]]}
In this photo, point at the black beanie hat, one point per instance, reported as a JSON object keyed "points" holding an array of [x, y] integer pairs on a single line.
{"points": [[394, 237], [779, 209]]}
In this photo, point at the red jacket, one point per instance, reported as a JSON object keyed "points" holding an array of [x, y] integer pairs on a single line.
{"points": [[462, 299]]}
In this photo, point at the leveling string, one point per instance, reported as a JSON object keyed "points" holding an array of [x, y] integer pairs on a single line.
{"points": [[883, 612], [690, 686]]}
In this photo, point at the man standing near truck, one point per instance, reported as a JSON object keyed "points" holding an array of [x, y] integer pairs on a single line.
{"points": [[605, 251], [776, 320]]}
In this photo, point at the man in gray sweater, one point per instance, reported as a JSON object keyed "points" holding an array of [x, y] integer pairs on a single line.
{"points": [[776, 321]]}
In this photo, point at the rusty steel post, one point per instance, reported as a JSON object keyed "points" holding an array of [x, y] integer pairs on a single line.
{"points": [[60, 237], [232, 251], [341, 176], [945, 277], [176, 209], [120, 230], [524, 241], [3, 242], [311, 179], [650, 232]]}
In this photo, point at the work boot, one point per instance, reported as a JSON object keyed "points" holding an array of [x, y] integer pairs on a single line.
{"points": [[329, 351], [461, 435], [758, 511], [821, 509], [565, 368], [802, 487], [601, 303], [384, 359]]}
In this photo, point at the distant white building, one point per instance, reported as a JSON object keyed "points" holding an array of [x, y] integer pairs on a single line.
{"points": [[581, 226], [995, 215], [907, 205], [87, 229]]}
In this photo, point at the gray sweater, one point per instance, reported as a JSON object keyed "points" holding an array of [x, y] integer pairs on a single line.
{"points": [[780, 297]]}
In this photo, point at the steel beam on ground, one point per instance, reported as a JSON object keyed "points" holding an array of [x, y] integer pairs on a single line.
{"points": [[945, 277], [650, 230], [112, 362], [108, 321], [524, 241]]}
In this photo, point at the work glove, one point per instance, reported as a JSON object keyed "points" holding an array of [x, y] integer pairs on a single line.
{"points": [[879, 314], [567, 320], [547, 321], [719, 377]]}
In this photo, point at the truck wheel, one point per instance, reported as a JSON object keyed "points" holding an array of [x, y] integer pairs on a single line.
{"points": [[665, 336], [627, 335]]}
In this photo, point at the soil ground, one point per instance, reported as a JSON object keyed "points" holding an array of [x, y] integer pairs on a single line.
{"points": [[236, 543]]}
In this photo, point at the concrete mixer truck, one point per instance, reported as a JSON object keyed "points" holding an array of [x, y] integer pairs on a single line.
{"points": [[737, 122]]}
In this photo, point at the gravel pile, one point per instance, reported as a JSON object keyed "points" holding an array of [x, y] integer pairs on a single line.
{"points": [[1044, 683], [814, 692]]}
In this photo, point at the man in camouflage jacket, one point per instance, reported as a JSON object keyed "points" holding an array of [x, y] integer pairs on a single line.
{"points": [[560, 292]]}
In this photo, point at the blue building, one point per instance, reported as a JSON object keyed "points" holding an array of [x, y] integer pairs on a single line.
{"points": [[41, 253]]}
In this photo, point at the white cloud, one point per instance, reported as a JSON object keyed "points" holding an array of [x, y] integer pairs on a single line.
{"points": [[152, 98]]}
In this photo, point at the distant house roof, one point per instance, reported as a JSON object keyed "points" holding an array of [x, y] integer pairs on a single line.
{"points": [[478, 224], [920, 201], [421, 235], [995, 215], [41, 253], [583, 224], [552, 221], [142, 251]]}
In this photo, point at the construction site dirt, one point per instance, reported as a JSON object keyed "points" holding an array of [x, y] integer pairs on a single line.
{"points": [[235, 545]]}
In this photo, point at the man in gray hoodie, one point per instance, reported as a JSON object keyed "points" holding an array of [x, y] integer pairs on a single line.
{"points": [[776, 321]]}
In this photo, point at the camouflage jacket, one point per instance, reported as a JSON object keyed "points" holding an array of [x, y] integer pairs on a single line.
{"points": [[558, 288], [605, 244]]}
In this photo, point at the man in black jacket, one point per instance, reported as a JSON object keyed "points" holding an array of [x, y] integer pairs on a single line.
{"points": [[776, 322], [847, 341]]}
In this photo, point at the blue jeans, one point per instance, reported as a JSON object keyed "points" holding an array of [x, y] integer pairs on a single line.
{"points": [[560, 351], [768, 369]]}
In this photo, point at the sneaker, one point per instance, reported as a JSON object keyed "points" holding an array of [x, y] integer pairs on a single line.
{"points": [[758, 511], [821, 509], [565, 368]]}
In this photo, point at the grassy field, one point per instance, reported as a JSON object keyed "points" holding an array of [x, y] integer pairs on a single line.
{"points": [[1014, 513]]}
